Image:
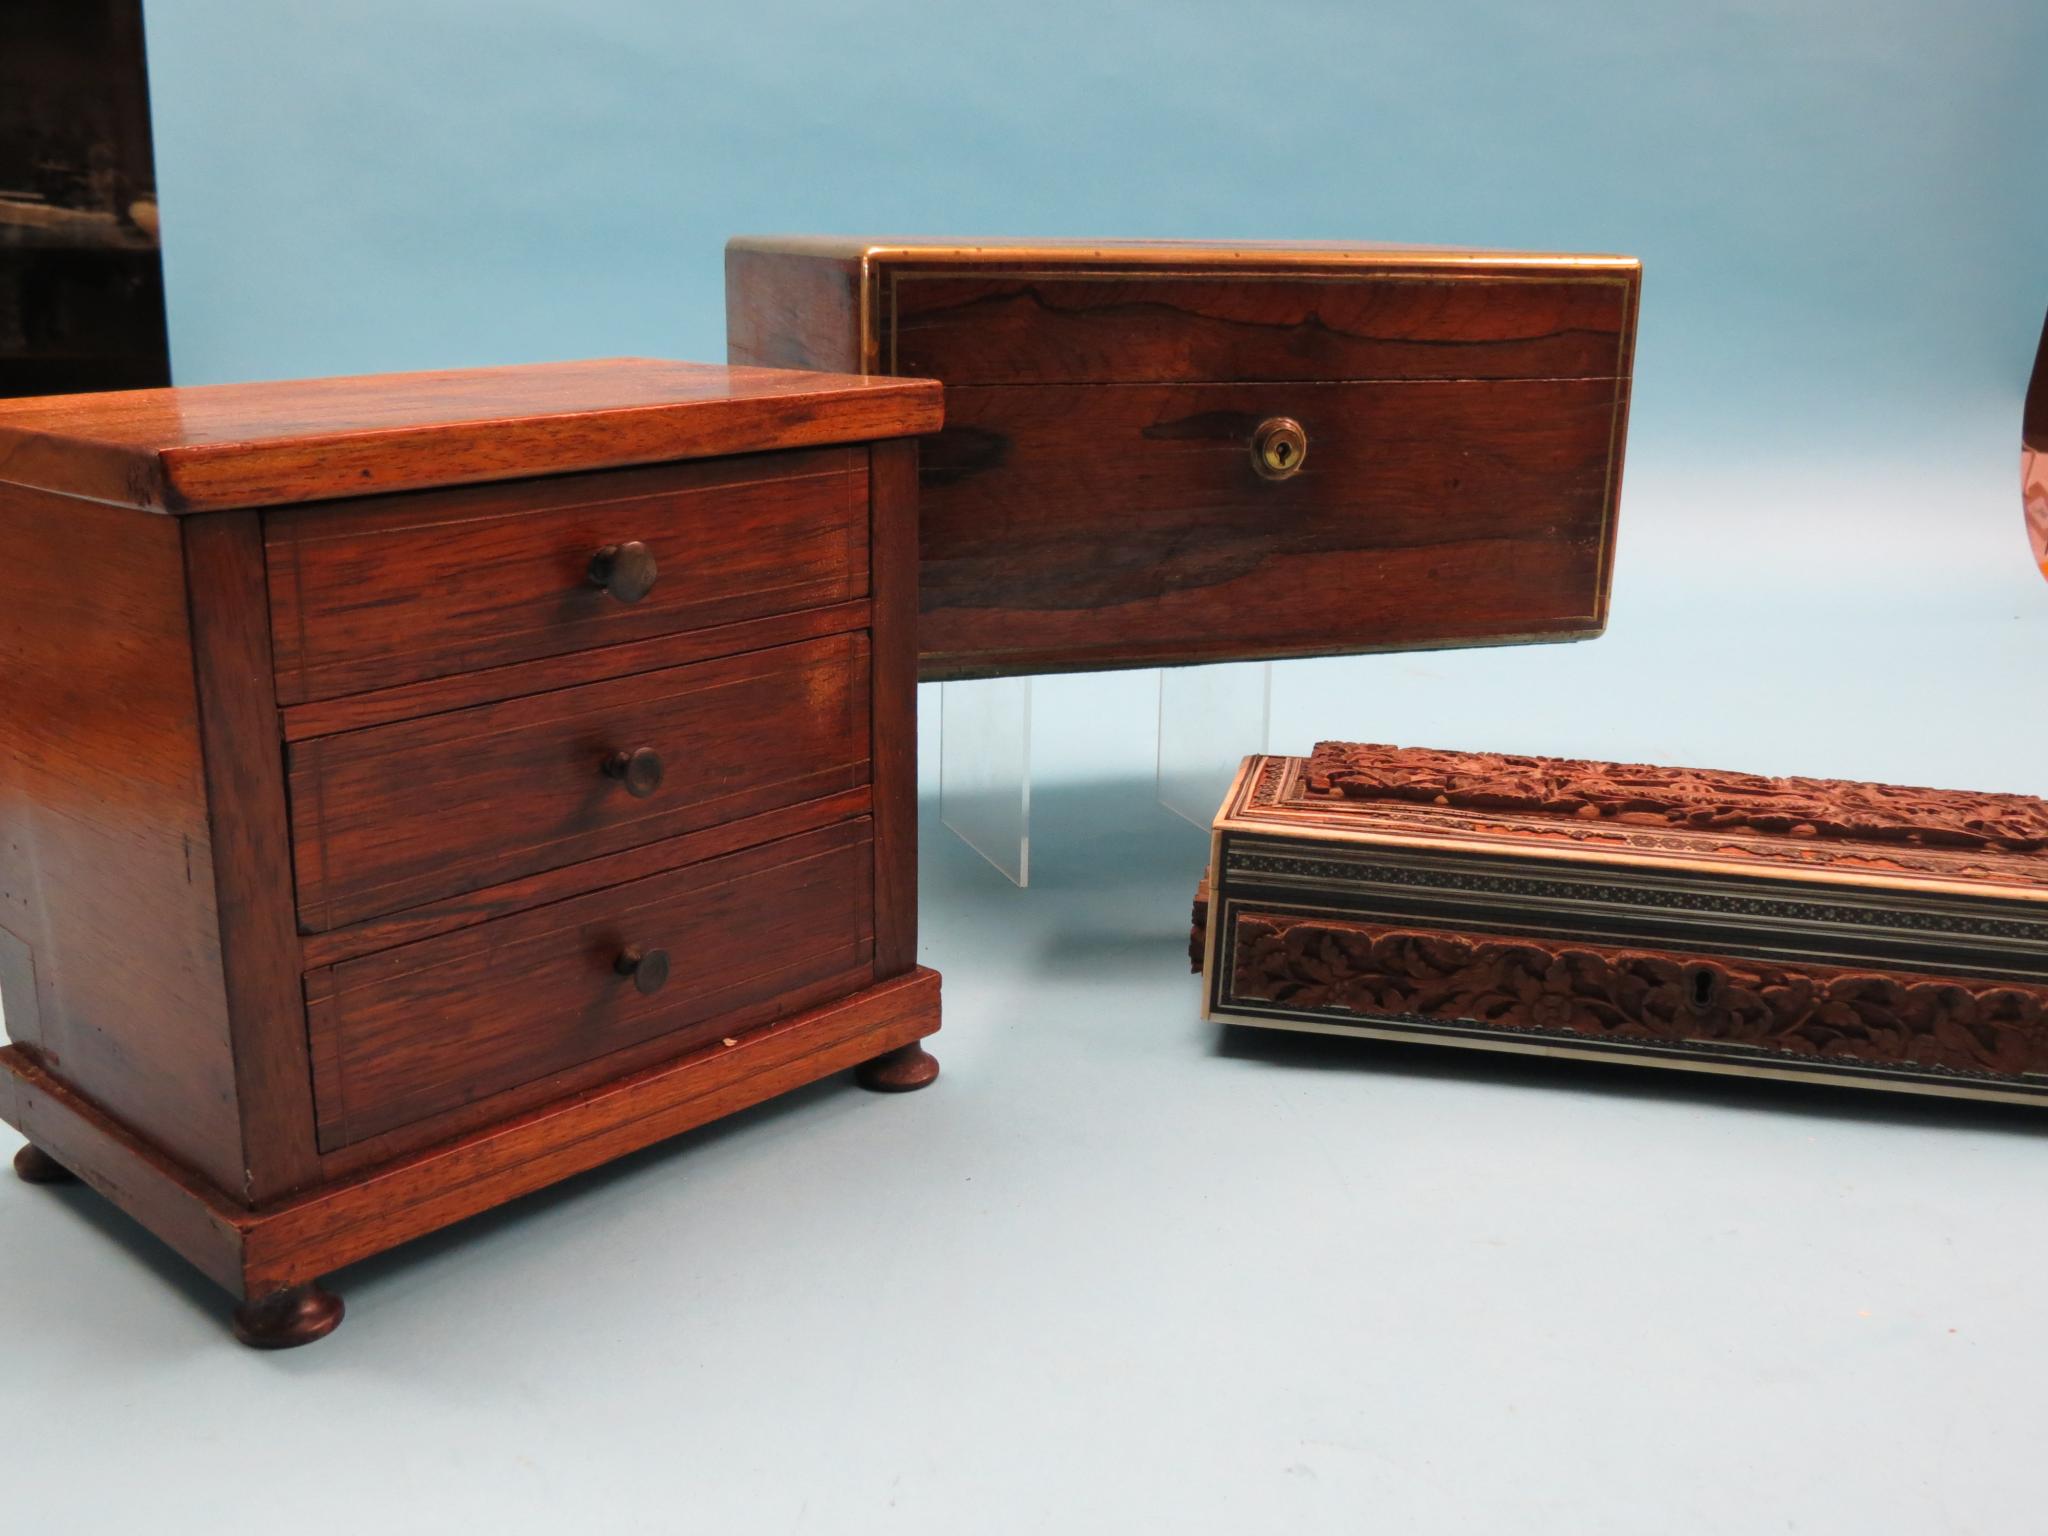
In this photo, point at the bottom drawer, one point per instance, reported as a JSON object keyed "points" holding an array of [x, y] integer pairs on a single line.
{"points": [[426, 1028]]}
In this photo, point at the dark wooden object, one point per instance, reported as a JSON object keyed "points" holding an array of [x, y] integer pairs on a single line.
{"points": [[1161, 453], [365, 865], [81, 276], [1868, 934]]}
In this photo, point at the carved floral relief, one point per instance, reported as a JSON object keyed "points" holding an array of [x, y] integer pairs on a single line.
{"points": [[1679, 798], [1640, 995]]}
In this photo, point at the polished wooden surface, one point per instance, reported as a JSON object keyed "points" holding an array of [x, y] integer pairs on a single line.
{"points": [[587, 787], [215, 447], [258, 1252], [110, 940], [796, 305], [1423, 514], [252, 865], [32, 1165], [288, 1318], [372, 831], [1095, 328], [189, 1212], [462, 690], [903, 1070], [1095, 501], [410, 1032], [374, 594], [635, 863], [893, 696]]}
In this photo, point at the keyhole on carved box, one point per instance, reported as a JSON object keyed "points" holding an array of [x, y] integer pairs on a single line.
{"points": [[1704, 987], [1283, 455]]}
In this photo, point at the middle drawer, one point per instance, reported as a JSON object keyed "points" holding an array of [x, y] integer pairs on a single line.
{"points": [[398, 815]]}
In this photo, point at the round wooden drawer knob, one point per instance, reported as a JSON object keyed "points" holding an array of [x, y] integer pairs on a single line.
{"points": [[1278, 447], [626, 571], [639, 770], [647, 968]]}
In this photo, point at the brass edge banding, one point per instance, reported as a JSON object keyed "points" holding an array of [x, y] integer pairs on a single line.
{"points": [[1110, 255]]}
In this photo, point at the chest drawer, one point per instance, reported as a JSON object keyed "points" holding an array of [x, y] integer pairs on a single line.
{"points": [[1421, 513], [370, 595], [397, 815], [409, 1033]]}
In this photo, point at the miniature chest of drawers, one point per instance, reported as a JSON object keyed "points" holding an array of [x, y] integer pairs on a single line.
{"points": [[1812, 929], [1161, 453], [416, 790]]}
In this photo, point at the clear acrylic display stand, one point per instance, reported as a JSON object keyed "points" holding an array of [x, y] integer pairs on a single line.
{"points": [[985, 769], [1209, 719]]}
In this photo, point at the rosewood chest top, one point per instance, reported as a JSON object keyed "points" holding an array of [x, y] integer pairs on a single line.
{"points": [[1162, 452]]}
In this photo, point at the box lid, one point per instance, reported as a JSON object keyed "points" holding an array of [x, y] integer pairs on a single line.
{"points": [[215, 447], [1635, 814]]}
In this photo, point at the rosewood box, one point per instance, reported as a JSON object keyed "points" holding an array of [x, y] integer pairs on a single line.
{"points": [[1164, 452], [1793, 928], [416, 790]]}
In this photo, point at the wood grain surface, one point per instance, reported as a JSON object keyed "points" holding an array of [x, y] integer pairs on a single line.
{"points": [[252, 865], [398, 815], [636, 863], [461, 690], [405, 1033], [894, 693], [109, 930], [1092, 502], [1134, 328], [370, 595], [1070, 526], [223, 446], [408, 1197]]}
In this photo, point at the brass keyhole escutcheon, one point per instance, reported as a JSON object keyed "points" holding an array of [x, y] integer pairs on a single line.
{"points": [[1278, 447]]}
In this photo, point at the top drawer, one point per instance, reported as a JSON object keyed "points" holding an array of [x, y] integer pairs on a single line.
{"points": [[371, 595], [1157, 328]]}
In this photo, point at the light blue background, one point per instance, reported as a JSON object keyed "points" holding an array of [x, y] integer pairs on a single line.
{"points": [[1118, 1271], [1838, 202]]}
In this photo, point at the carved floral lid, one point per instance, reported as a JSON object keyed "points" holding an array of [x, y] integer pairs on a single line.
{"points": [[1636, 812]]}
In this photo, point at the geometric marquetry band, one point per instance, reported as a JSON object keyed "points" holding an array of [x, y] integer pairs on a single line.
{"points": [[1333, 872]]}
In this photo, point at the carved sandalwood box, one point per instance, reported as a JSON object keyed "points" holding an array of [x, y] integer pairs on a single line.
{"points": [[1794, 928], [1168, 452]]}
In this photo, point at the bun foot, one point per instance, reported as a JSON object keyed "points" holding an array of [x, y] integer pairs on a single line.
{"points": [[288, 1318], [907, 1067], [32, 1165]]}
